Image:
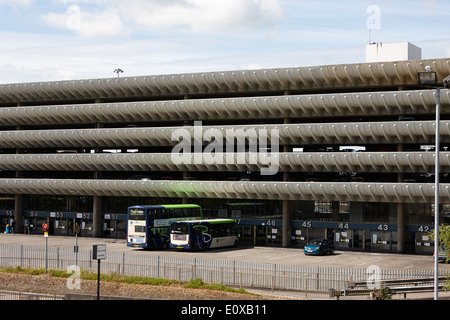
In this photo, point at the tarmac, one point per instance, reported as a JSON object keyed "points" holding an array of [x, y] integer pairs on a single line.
{"points": [[347, 259]]}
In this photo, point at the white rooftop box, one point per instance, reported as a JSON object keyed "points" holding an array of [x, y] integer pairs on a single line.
{"points": [[400, 51]]}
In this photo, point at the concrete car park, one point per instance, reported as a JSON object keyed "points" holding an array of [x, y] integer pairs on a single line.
{"points": [[76, 154]]}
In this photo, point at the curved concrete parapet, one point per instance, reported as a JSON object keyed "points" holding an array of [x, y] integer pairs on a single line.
{"points": [[382, 74], [289, 134], [288, 162], [348, 191], [296, 106]]}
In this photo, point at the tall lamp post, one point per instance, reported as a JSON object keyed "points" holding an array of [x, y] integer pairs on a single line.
{"points": [[429, 78], [118, 71]]}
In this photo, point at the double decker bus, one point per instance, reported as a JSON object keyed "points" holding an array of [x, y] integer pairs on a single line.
{"points": [[149, 225], [203, 234]]}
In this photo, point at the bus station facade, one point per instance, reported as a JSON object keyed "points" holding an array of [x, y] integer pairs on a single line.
{"points": [[351, 145]]}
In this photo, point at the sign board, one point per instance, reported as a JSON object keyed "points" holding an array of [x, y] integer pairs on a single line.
{"points": [[99, 252]]}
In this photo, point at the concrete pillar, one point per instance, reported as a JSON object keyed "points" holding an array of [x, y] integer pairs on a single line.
{"points": [[286, 235], [18, 198], [401, 224], [18, 213], [335, 210], [97, 217], [287, 227], [185, 200], [401, 228]]}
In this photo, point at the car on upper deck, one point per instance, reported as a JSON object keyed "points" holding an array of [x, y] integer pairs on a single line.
{"points": [[319, 247]]}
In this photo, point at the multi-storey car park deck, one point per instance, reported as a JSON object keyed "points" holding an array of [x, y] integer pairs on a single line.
{"points": [[83, 151]]}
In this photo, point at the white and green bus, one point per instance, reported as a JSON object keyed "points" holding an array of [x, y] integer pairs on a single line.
{"points": [[203, 234]]}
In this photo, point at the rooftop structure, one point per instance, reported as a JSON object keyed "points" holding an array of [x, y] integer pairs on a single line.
{"points": [[400, 51]]}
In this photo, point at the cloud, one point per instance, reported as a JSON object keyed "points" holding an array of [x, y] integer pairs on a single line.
{"points": [[202, 15], [28, 58], [88, 24], [17, 3], [145, 37], [118, 17]]}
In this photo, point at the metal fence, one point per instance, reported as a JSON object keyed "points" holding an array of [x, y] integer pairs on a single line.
{"points": [[305, 280], [14, 295]]}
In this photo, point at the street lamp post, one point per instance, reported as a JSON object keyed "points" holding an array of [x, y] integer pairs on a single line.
{"points": [[436, 195], [429, 78], [118, 71]]}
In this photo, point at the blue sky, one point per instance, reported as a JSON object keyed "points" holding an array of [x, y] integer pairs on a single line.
{"points": [[46, 40]]}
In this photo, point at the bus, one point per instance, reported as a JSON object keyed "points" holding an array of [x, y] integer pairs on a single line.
{"points": [[148, 226], [203, 234]]}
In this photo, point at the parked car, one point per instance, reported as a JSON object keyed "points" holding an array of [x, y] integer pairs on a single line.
{"points": [[319, 247], [442, 255]]}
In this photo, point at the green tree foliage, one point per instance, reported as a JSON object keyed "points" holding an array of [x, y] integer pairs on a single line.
{"points": [[444, 244], [444, 240]]}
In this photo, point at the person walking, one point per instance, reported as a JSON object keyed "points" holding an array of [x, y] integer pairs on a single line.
{"points": [[45, 227], [27, 228]]}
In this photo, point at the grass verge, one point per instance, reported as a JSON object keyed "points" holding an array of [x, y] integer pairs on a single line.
{"points": [[196, 283]]}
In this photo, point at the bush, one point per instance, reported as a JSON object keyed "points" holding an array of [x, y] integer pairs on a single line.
{"points": [[198, 283], [384, 293]]}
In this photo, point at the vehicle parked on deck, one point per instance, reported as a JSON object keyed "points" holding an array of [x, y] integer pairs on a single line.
{"points": [[319, 247]]}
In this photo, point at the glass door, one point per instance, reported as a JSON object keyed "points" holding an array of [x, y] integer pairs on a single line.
{"points": [[381, 241], [343, 239]]}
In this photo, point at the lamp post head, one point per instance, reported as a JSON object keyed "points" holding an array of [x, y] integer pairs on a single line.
{"points": [[427, 78], [118, 71]]}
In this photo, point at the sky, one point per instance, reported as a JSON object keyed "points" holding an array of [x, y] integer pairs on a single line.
{"points": [[52, 40]]}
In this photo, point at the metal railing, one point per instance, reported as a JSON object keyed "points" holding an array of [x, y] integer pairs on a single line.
{"points": [[397, 286], [16, 295], [310, 281]]}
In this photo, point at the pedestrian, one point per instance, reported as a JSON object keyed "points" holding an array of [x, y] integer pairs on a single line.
{"points": [[45, 227], [12, 226], [27, 228], [7, 228]]}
